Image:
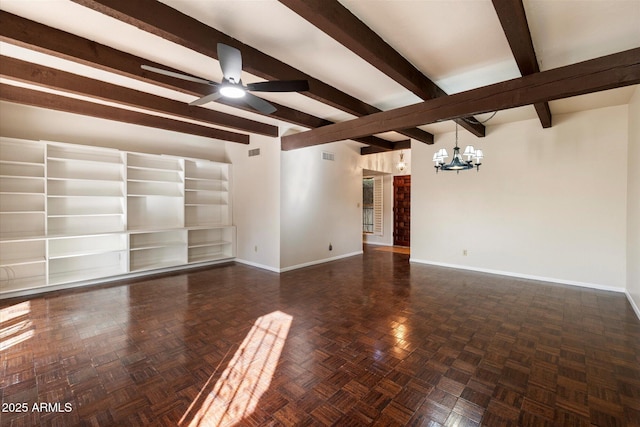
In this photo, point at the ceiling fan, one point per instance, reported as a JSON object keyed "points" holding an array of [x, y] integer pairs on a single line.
{"points": [[230, 60]]}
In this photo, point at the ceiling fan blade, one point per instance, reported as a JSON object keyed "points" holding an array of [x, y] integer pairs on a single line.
{"points": [[259, 104], [207, 98], [230, 62], [177, 75], [280, 86]]}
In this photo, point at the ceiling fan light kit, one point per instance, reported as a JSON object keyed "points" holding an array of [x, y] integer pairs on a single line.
{"points": [[458, 163], [230, 90], [231, 87]]}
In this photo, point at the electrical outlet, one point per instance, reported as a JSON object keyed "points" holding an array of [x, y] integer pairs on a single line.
{"points": [[255, 248], [464, 252]]}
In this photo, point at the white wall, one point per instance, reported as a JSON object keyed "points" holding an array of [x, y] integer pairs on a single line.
{"points": [[633, 203], [320, 205], [547, 203], [21, 121], [256, 201]]}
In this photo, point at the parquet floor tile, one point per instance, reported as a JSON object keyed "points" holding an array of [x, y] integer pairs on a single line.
{"points": [[369, 340]]}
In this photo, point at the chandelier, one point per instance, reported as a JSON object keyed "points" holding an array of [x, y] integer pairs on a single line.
{"points": [[458, 163], [402, 165]]}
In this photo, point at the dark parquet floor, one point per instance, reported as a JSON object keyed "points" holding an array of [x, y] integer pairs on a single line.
{"points": [[368, 340]]}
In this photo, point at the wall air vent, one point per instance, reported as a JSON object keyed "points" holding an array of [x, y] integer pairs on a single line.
{"points": [[328, 156], [254, 152]]}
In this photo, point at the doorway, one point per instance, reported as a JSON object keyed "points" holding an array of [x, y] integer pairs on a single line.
{"points": [[402, 210]]}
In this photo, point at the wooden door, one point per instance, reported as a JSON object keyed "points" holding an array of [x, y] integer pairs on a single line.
{"points": [[401, 210]]}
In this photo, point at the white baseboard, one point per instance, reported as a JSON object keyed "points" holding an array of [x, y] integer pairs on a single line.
{"points": [[320, 261], [258, 265], [521, 276], [633, 304], [377, 243]]}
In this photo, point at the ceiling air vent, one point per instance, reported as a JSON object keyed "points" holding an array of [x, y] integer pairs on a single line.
{"points": [[328, 156], [254, 152]]}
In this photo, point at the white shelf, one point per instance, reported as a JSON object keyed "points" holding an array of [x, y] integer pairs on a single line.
{"points": [[21, 284], [79, 215], [88, 180], [22, 194], [21, 151], [154, 175], [157, 246], [84, 254], [96, 161], [76, 188], [39, 260], [21, 235], [22, 252], [146, 265], [211, 256], [22, 184], [83, 154], [82, 274], [212, 243], [157, 249], [157, 238], [154, 162], [141, 189], [19, 202], [72, 213], [22, 212], [23, 263], [23, 169], [4, 163], [66, 247], [205, 185], [71, 226]]}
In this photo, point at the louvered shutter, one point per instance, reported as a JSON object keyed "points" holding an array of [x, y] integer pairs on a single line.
{"points": [[377, 206]]}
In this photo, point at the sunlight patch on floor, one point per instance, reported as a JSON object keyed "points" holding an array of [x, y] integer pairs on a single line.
{"points": [[236, 394], [15, 325]]}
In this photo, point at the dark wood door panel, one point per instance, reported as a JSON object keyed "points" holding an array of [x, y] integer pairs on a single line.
{"points": [[401, 210]]}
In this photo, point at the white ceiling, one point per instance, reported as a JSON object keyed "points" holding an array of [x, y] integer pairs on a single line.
{"points": [[458, 44]]}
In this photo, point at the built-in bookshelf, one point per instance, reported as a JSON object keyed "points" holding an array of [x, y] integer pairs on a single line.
{"points": [[87, 257], [22, 188], [85, 190], [73, 214], [206, 193], [157, 249], [23, 262], [208, 244], [155, 192]]}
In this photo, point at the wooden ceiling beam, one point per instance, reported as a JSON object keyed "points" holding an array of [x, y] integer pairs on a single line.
{"points": [[41, 38], [607, 72], [404, 144], [51, 101], [51, 78], [159, 19], [514, 23], [343, 26]]}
